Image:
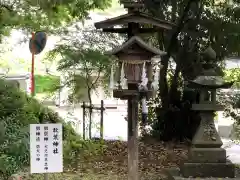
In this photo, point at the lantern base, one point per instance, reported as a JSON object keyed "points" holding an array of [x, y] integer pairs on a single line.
{"points": [[124, 94]]}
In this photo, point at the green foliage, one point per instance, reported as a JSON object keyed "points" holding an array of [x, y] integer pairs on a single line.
{"points": [[208, 20], [84, 60], [233, 75], [231, 101], [46, 83], [199, 24], [44, 14], [17, 112]]}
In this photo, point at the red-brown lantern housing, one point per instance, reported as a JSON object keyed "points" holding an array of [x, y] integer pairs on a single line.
{"points": [[132, 56]]}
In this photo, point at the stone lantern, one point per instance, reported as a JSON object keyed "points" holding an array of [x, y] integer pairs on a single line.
{"points": [[206, 157]]}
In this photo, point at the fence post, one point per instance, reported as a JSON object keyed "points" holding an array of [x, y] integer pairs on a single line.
{"points": [[90, 107], [84, 111], [101, 120]]}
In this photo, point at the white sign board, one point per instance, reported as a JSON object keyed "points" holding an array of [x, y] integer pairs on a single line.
{"points": [[46, 148]]}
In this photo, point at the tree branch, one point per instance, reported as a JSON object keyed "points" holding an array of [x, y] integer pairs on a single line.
{"points": [[179, 27], [174, 83], [165, 59], [9, 8], [98, 76]]}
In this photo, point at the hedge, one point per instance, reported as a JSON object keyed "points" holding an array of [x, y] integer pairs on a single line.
{"points": [[17, 112]]}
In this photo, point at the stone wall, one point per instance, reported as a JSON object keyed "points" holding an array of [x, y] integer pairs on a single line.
{"points": [[21, 81]]}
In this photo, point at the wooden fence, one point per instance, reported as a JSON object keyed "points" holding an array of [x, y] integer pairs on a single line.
{"points": [[91, 108]]}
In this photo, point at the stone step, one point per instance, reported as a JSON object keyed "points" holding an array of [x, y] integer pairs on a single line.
{"points": [[174, 174], [208, 170], [207, 155]]}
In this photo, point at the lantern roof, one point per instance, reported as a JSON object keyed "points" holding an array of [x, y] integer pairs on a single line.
{"points": [[129, 4], [211, 86], [137, 40], [209, 72], [209, 79], [134, 17]]}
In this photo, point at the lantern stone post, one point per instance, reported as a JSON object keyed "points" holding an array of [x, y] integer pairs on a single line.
{"points": [[134, 58], [206, 158]]}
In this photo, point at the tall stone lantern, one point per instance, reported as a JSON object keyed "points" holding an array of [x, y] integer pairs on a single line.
{"points": [[206, 157]]}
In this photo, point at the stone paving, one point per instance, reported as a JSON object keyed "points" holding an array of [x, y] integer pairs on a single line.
{"points": [[233, 150], [211, 178]]}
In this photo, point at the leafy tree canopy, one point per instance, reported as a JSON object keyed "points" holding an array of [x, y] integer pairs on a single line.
{"points": [[233, 75], [44, 14], [199, 24], [83, 56]]}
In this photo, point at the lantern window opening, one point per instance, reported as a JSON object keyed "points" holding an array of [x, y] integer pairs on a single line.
{"points": [[133, 71], [208, 97]]}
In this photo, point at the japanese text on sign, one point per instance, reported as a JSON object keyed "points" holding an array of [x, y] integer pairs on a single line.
{"points": [[46, 148]]}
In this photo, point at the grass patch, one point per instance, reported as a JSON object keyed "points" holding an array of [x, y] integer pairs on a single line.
{"points": [[76, 176], [46, 83], [111, 164]]}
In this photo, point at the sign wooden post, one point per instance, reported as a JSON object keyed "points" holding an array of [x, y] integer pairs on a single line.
{"points": [[45, 176]]}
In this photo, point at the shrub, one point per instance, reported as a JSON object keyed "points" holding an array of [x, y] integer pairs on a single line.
{"points": [[17, 111]]}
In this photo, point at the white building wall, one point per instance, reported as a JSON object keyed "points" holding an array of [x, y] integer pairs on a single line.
{"points": [[23, 80], [115, 125]]}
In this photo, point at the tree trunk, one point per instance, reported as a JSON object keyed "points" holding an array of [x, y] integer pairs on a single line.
{"points": [[174, 82], [175, 118], [174, 10], [163, 85]]}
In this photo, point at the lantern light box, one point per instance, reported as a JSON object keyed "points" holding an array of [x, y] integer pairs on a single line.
{"points": [[134, 67]]}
